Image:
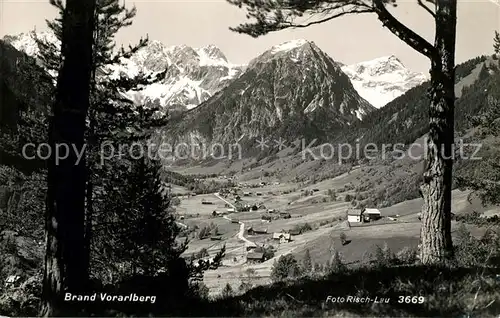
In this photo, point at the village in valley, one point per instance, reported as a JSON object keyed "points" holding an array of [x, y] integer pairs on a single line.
{"points": [[262, 219]]}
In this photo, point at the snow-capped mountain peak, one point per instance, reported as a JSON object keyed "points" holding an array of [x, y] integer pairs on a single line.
{"points": [[380, 66], [296, 51], [287, 46], [381, 80], [211, 55], [26, 43], [193, 74]]}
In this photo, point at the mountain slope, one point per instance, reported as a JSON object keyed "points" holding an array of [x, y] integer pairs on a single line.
{"points": [[292, 90], [381, 80], [24, 88]]}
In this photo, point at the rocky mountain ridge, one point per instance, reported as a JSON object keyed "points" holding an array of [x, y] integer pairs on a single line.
{"points": [[196, 74], [293, 90]]}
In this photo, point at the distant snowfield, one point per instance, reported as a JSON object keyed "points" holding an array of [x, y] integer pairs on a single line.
{"points": [[383, 79]]}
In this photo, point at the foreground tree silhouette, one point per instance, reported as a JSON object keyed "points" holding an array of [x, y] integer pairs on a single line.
{"points": [[64, 261], [110, 114], [271, 15]]}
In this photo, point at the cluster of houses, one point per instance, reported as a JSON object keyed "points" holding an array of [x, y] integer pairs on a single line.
{"points": [[282, 237], [363, 215], [256, 254]]}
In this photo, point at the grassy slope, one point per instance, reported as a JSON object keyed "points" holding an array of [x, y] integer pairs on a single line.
{"points": [[447, 291]]}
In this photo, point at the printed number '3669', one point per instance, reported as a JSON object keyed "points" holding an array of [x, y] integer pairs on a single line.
{"points": [[411, 299]]}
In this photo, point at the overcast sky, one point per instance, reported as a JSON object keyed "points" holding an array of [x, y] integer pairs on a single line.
{"points": [[348, 39]]}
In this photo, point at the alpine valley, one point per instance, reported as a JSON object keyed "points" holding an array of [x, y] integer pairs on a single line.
{"points": [[286, 110]]}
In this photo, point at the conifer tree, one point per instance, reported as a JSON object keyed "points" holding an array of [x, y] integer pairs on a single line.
{"points": [[142, 238], [227, 291], [496, 43], [110, 114], [483, 74], [123, 194]]}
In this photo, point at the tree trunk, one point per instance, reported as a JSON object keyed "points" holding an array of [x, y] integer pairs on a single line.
{"points": [[89, 215], [64, 260], [435, 236], [89, 198]]}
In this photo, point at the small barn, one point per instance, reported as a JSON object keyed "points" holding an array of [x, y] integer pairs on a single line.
{"points": [[372, 214], [253, 231], [230, 210], [255, 257], [282, 237], [355, 216], [285, 215]]}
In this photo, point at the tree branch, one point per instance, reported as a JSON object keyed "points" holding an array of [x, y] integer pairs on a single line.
{"points": [[271, 15], [411, 38], [426, 8], [330, 18]]}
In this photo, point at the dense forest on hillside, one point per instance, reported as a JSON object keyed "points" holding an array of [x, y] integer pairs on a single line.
{"points": [[465, 68]]}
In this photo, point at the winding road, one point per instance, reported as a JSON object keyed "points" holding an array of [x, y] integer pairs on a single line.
{"points": [[242, 225]]}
